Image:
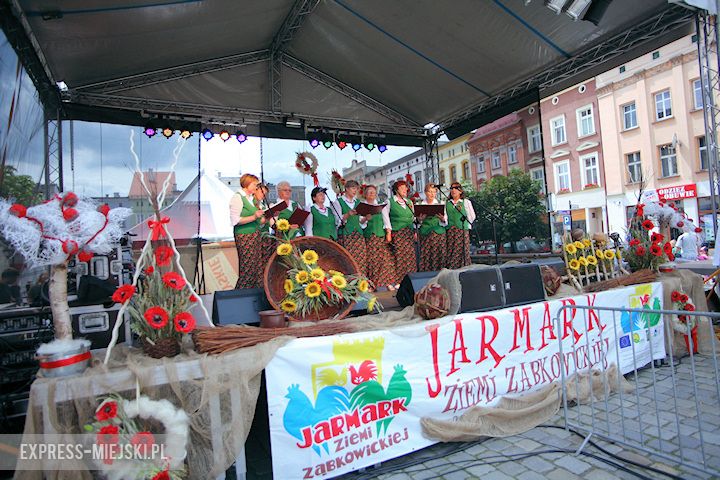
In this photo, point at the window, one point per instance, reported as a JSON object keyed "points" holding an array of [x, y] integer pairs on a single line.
{"points": [[418, 182], [481, 164], [656, 55], [512, 154], [495, 160], [702, 153], [538, 174], [453, 173], [663, 105], [697, 93], [590, 169], [585, 121], [668, 161], [534, 140], [557, 128], [562, 176], [442, 175], [634, 167], [465, 170], [629, 116]]}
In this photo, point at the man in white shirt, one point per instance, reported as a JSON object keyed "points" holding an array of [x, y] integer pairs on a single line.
{"points": [[689, 244]]}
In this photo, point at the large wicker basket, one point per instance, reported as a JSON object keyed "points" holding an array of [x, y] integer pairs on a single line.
{"points": [[332, 257]]}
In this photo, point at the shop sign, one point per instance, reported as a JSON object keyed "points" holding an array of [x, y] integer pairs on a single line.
{"points": [[677, 192]]}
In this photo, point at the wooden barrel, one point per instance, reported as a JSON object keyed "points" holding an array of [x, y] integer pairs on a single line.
{"points": [[332, 257]]}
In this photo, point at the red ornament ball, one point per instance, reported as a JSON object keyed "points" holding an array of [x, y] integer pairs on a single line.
{"points": [[433, 301], [18, 210], [84, 256], [70, 199], [104, 209], [70, 247], [70, 214]]}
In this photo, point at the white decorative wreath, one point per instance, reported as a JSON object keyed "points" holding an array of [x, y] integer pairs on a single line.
{"points": [[337, 182], [307, 164]]}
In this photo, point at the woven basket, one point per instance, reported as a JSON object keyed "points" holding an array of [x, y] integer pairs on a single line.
{"points": [[332, 257], [165, 347]]}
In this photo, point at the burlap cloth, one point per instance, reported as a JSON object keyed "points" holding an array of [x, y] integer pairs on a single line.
{"points": [[242, 368]]}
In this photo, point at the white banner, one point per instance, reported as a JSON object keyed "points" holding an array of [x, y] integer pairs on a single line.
{"points": [[343, 402]]}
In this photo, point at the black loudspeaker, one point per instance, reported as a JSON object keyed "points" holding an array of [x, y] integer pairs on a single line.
{"points": [[481, 290], [410, 285], [93, 290], [239, 306], [522, 284]]}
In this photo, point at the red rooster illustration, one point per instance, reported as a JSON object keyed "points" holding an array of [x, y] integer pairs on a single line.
{"points": [[366, 371]]}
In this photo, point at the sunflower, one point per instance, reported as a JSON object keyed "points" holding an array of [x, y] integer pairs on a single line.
{"points": [[288, 285], [283, 225], [313, 290], [579, 245], [574, 264], [310, 257], [586, 242], [591, 260], [288, 306], [317, 274], [339, 281], [571, 248], [371, 304], [583, 261], [302, 276], [609, 254], [334, 272], [284, 249], [599, 254], [363, 286]]}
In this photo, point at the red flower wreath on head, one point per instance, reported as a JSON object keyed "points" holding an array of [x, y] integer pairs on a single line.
{"points": [[648, 225], [156, 317], [174, 280]]}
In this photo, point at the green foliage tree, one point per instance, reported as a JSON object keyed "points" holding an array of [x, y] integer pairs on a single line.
{"points": [[21, 188], [516, 202]]}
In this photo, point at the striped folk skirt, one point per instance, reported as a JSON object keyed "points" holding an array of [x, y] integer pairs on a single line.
{"points": [[249, 247], [267, 247], [355, 244], [380, 264], [458, 248], [432, 252], [403, 249]]}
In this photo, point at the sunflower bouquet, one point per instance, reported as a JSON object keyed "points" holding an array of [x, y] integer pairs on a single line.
{"points": [[586, 261]]}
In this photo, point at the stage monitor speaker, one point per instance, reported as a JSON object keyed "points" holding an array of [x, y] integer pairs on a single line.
{"points": [[522, 283], [232, 307], [481, 290], [410, 285]]}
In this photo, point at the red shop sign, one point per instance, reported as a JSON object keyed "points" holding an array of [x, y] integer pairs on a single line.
{"points": [[674, 193]]}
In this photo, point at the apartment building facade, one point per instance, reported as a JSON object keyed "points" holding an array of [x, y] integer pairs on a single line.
{"points": [[454, 164]]}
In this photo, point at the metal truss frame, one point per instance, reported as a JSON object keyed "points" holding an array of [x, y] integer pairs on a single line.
{"points": [[53, 167], [432, 165], [664, 22]]}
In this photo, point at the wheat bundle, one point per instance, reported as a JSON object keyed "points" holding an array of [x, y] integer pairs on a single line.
{"points": [[641, 276], [230, 337]]}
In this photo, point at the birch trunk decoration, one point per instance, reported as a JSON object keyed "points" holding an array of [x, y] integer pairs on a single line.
{"points": [[58, 302]]}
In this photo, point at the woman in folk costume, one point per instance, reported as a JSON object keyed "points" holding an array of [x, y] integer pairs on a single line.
{"points": [[267, 244], [458, 228], [284, 193], [350, 234], [432, 234], [321, 221], [380, 263], [398, 213], [247, 219]]}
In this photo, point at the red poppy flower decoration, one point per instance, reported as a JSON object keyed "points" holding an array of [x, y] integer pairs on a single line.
{"points": [[657, 238], [108, 435], [149, 270], [123, 293], [640, 210], [640, 251], [156, 317], [184, 322], [667, 248], [675, 296], [648, 225], [689, 307], [173, 280], [163, 255], [656, 250], [634, 242], [164, 475], [107, 411], [143, 441], [670, 256], [684, 298]]}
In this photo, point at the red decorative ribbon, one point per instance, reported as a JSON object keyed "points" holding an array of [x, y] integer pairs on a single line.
{"points": [[66, 361], [316, 182], [158, 227]]}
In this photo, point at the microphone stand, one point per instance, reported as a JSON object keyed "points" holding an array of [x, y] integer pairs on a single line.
{"points": [[338, 215]]}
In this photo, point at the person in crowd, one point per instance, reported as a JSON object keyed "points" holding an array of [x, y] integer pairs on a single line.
{"points": [[267, 244], [9, 289], [398, 214], [350, 234], [689, 245], [247, 220], [284, 193], [432, 235], [321, 221], [460, 215], [380, 264], [35, 295]]}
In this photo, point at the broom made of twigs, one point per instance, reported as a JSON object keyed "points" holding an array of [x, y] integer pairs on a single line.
{"points": [[641, 276], [230, 337]]}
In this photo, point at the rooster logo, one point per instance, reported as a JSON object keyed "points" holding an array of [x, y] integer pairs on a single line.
{"points": [[366, 371], [301, 413], [371, 391]]}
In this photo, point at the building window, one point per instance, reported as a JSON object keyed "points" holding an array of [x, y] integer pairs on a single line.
{"points": [[697, 94], [442, 175], [465, 170], [585, 121], [663, 105], [453, 173], [538, 174], [702, 153], [418, 182], [512, 154], [634, 167], [629, 116], [668, 161], [481, 164], [562, 176], [557, 128], [590, 170], [534, 140], [495, 160]]}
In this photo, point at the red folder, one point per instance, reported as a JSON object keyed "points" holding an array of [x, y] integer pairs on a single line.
{"points": [[272, 211], [298, 217], [429, 210], [366, 209]]}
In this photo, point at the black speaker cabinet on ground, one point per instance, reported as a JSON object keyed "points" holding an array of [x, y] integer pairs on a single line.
{"points": [[239, 306], [410, 285], [481, 290], [522, 284]]}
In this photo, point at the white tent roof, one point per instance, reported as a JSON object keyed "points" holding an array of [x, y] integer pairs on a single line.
{"points": [[213, 214]]}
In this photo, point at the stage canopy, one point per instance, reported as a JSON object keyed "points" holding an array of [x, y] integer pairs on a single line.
{"points": [[344, 67]]}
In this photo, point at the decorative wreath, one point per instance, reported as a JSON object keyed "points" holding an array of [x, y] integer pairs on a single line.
{"points": [[337, 182], [307, 168]]}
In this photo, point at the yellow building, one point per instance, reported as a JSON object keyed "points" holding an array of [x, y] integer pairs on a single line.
{"points": [[454, 161]]}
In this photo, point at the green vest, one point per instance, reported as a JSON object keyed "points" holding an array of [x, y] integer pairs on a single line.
{"points": [[375, 226], [454, 216], [248, 209], [431, 225], [287, 213], [400, 217], [353, 222], [323, 225]]}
